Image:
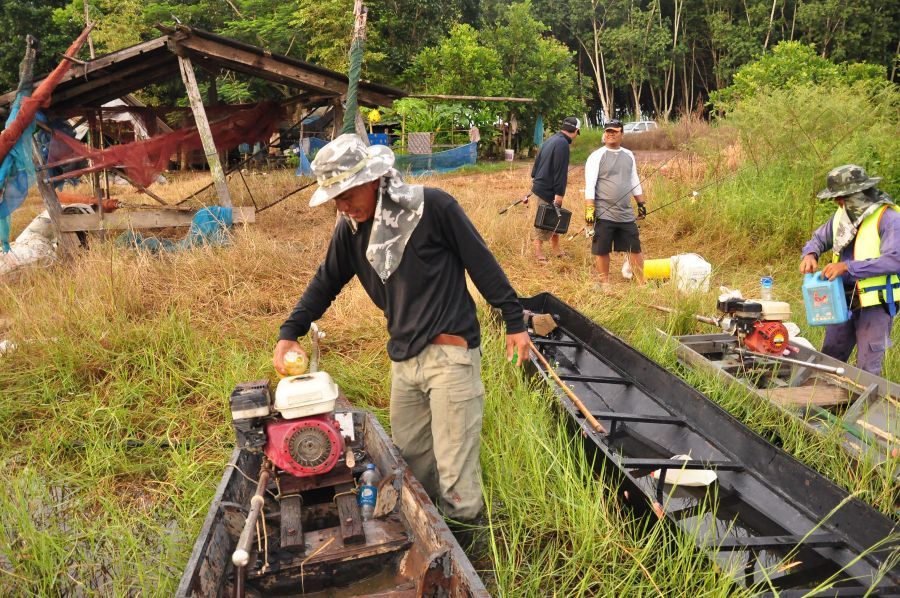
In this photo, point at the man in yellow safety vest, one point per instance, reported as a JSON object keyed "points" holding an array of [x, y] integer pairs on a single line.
{"points": [[864, 236]]}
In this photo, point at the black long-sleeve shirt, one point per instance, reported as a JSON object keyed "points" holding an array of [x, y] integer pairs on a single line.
{"points": [[550, 172], [427, 294]]}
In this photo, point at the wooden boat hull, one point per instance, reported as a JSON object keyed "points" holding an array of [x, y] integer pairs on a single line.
{"points": [[410, 552], [863, 404], [765, 505]]}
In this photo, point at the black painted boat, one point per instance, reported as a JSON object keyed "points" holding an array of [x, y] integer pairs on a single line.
{"points": [[408, 552], [767, 516], [863, 405]]}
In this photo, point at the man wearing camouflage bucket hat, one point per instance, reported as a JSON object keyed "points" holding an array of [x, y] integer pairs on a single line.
{"points": [[411, 246], [864, 237]]}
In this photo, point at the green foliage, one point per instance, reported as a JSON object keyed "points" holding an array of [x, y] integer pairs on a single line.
{"points": [[535, 65], [266, 23], [461, 65], [792, 138], [789, 65], [36, 17], [849, 31]]}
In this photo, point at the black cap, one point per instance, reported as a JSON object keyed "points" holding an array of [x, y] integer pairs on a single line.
{"points": [[571, 124], [613, 124]]}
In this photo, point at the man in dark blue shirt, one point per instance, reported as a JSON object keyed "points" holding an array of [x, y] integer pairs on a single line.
{"points": [[549, 177]]}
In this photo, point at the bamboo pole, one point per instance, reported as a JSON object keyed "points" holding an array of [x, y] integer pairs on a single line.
{"points": [[575, 400], [203, 128]]}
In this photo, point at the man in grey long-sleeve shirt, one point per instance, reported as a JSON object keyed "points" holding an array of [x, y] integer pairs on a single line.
{"points": [[865, 233], [610, 181], [411, 246]]}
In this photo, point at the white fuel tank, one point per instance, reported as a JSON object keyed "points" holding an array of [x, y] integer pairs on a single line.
{"points": [[302, 396]]}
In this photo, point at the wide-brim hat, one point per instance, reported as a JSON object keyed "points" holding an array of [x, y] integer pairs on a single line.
{"points": [[345, 163], [846, 180]]}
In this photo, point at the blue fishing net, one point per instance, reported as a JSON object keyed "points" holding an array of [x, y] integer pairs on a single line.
{"points": [[315, 144], [446, 161], [210, 226]]}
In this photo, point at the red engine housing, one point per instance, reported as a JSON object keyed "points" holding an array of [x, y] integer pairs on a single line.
{"points": [[306, 446], [769, 337]]}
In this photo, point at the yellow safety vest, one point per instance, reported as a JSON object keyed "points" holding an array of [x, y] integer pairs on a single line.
{"points": [[867, 246]]}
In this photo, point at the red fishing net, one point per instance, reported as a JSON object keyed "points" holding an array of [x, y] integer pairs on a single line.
{"points": [[143, 160]]}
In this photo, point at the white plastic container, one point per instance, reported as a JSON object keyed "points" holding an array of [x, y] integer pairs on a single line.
{"points": [[302, 396], [690, 272], [687, 477]]}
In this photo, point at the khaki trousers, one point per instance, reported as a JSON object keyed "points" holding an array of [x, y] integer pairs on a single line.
{"points": [[437, 401]]}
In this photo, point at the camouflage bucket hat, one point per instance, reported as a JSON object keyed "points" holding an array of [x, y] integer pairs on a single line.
{"points": [[847, 179], [345, 163]]}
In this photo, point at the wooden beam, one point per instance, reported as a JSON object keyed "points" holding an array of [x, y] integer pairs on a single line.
{"points": [[431, 96], [104, 79], [80, 71], [125, 219], [99, 95], [292, 523], [268, 67], [206, 137], [68, 242]]}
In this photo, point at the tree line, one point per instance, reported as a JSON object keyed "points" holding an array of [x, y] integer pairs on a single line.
{"points": [[598, 56]]}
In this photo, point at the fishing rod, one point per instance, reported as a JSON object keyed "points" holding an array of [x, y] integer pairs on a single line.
{"points": [[530, 193], [640, 183]]}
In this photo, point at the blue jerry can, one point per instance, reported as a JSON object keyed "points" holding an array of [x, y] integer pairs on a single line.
{"points": [[825, 300]]}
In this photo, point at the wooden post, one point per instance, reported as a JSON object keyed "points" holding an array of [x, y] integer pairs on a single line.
{"points": [[68, 242], [209, 146]]}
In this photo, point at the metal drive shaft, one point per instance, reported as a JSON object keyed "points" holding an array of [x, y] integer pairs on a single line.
{"points": [[816, 366]]}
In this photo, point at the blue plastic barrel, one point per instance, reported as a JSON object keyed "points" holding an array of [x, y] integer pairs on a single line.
{"points": [[825, 300]]}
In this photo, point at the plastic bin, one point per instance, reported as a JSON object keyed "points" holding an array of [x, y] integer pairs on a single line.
{"points": [[690, 272]]}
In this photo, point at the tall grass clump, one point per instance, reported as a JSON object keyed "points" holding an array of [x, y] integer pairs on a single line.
{"points": [[791, 139], [555, 526]]}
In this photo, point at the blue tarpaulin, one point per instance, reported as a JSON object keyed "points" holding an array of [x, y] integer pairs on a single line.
{"points": [[209, 227], [445, 161], [16, 173]]}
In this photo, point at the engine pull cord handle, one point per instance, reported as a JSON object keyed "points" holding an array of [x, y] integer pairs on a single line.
{"points": [[241, 555]]}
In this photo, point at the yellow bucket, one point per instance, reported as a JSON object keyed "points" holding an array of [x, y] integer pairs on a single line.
{"points": [[658, 268]]}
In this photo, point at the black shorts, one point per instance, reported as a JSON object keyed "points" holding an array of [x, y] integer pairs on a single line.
{"points": [[615, 236]]}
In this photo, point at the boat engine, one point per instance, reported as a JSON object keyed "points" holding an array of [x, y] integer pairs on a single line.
{"points": [[759, 325], [298, 432]]}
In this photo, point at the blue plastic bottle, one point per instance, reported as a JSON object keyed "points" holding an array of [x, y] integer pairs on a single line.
{"points": [[367, 493], [825, 300]]}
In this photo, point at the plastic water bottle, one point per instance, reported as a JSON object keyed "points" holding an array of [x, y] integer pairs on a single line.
{"points": [[765, 288], [367, 493]]}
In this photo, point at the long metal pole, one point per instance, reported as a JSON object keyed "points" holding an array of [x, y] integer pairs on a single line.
{"points": [[241, 555], [584, 410]]}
